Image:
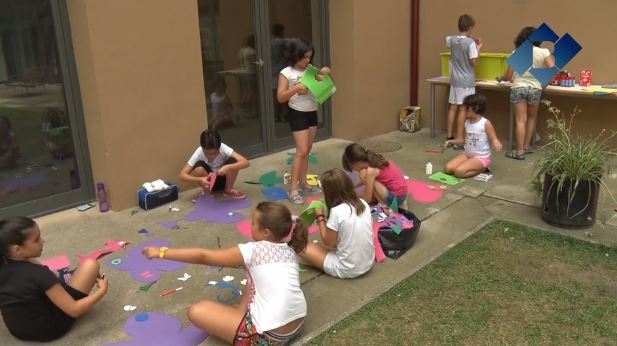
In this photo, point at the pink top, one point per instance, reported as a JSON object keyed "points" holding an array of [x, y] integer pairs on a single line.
{"points": [[393, 179]]}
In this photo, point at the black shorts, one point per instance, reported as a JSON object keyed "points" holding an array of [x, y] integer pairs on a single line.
{"points": [[300, 121], [221, 181]]}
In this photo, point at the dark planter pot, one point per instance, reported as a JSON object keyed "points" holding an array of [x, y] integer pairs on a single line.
{"points": [[568, 207]]}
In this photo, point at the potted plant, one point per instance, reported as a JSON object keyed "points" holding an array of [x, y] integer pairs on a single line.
{"points": [[569, 176]]}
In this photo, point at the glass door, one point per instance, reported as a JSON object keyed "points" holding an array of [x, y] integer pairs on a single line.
{"points": [[43, 151], [242, 43]]}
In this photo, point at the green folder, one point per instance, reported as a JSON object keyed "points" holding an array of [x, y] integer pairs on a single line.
{"points": [[446, 179], [322, 90]]}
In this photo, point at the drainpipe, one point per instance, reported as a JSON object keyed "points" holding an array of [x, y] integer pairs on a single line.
{"points": [[415, 34]]}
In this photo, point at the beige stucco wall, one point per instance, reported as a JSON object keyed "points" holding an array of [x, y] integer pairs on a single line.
{"points": [[370, 44], [498, 22], [140, 74]]}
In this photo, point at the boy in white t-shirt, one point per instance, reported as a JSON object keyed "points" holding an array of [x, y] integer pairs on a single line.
{"points": [[214, 156]]}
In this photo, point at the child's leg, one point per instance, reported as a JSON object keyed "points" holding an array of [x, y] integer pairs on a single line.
{"points": [[451, 166], [520, 115], [314, 255], [217, 319], [301, 138], [469, 168], [530, 126], [84, 277], [312, 133], [380, 192], [451, 117], [460, 122]]}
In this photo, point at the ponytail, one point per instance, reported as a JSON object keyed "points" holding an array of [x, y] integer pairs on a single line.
{"points": [[299, 236]]}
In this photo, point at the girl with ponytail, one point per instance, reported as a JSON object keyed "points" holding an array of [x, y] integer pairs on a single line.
{"points": [[273, 306]]}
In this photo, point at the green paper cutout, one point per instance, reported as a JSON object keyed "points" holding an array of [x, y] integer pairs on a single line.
{"points": [[446, 179], [145, 288], [270, 179], [322, 90], [396, 229], [312, 158], [308, 215], [394, 206]]}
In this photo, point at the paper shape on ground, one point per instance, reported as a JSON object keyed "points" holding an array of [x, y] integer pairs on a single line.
{"points": [[143, 269], [216, 210], [110, 246], [446, 179], [312, 179], [308, 215], [155, 328], [321, 89], [236, 292], [270, 179], [423, 192], [275, 193], [57, 263]]}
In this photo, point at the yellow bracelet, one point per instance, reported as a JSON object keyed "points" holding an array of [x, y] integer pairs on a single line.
{"points": [[162, 251]]}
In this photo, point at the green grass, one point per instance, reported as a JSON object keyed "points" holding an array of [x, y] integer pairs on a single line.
{"points": [[507, 284]]}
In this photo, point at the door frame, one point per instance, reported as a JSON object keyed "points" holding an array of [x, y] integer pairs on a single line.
{"points": [[75, 113]]}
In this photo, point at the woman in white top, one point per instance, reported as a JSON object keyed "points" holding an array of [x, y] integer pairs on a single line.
{"points": [[273, 306], [525, 95], [479, 136], [347, 249]]}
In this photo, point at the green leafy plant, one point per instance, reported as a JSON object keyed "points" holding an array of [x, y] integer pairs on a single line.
{"points": [[571, 157]]}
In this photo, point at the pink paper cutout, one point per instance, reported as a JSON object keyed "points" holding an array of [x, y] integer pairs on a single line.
{"points": [[57, 263], [421, 192], [380, 256], [212, 179], [110, 246], [310, 199]]}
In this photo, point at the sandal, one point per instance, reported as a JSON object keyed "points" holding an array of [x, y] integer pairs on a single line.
{"points": [[296, 199], [513, 154], [310, 189]]}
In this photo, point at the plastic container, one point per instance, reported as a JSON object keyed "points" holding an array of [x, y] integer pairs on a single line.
{"points": [[490, 65], [287, 178], [101, 194], [429, 168]]}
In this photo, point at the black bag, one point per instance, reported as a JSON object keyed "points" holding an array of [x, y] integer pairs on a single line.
{"points": [[395, 245]]}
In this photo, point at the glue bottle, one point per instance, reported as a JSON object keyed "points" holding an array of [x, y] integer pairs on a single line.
{"points": [[287, 178], [101, 194], [429, 168]]}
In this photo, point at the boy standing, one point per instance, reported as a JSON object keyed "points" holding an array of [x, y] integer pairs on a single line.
{"points": [[464, 52]]}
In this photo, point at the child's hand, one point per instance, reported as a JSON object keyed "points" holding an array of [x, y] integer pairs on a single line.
{"points": [[497, 145], [101, 282], [300, 89], [223, 170], [324, 71], [204, 183], [362, 175], [151, 252], [478, 42]]}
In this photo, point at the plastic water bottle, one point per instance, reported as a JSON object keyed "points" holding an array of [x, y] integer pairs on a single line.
{"points": [[429, 168], [102, 196], [287, 178]]}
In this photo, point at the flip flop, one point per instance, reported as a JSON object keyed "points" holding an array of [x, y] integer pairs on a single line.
{"points": [[515, 155]]}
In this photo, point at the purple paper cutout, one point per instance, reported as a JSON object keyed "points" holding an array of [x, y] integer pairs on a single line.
{"points": [[275, 193], [160, 329], [143, 269], [217, 210], [172, 224]]}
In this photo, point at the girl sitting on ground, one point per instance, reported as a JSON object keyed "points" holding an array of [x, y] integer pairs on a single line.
{"points": [[383, 179], [347, 248], [479, 135], [273, 306], [36, 305]]}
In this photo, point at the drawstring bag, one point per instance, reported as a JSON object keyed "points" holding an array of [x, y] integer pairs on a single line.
{"points": [[395, 245]]}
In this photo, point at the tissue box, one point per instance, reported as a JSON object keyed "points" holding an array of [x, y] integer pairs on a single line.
{"points": [[150, 200]]}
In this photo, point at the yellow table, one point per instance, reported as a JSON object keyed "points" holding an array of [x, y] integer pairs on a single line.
{"points": [[576, 91]]}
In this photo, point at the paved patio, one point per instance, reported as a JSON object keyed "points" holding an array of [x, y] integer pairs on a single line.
{"points": [[458, 214]]}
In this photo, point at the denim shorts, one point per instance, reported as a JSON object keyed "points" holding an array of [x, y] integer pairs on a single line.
{"points": [[529, 94]]}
